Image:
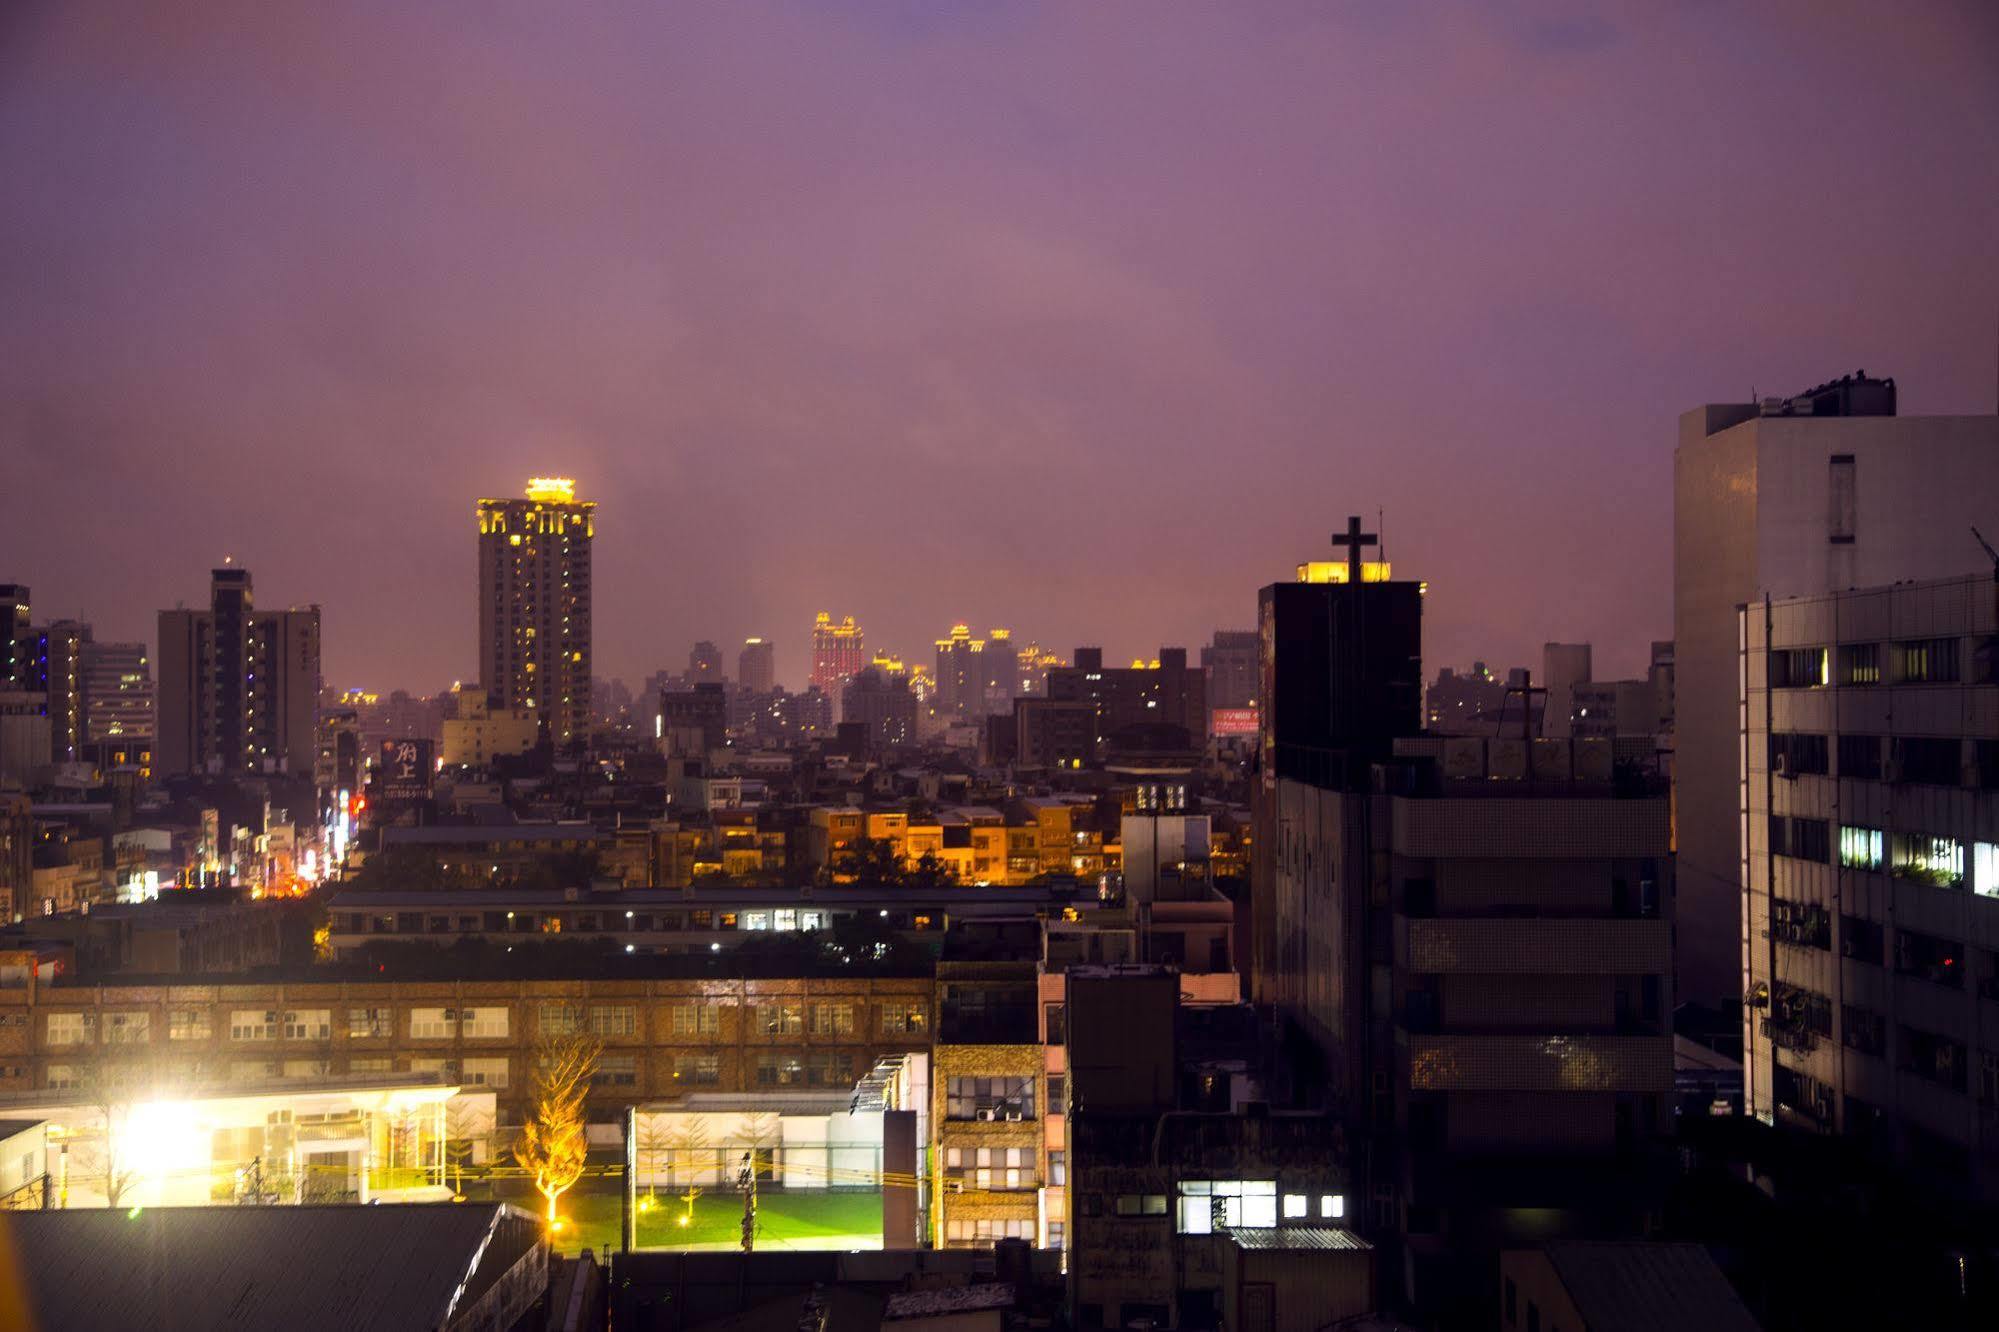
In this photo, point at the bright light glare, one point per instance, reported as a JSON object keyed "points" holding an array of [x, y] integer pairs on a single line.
{"points": [[164, 1137]]}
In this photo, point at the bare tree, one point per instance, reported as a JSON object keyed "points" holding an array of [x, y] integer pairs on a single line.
{"points": [[105, 1155], [467, 1127], [554, 1143], [689, 1137]]}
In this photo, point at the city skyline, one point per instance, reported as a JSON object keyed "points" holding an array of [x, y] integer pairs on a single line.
{"points": [[1394, 270]]}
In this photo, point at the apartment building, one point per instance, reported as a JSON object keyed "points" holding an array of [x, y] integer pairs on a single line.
{"points": [[1870, 879]]}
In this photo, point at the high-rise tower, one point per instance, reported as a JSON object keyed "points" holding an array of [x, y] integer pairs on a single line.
{"points": [[534, 604]]}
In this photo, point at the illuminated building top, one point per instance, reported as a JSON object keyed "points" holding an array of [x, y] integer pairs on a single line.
{"points": [[551, 489], [1337, 571]]}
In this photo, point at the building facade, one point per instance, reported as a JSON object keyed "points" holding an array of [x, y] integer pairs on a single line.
{"points": [[1870, 875], [756, 666], [839, 653], [238, 687], [1791, 497], [535, 602]]}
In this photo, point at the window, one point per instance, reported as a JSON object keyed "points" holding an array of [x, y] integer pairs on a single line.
{"points": [[249, 1024], [784, 918], [1862, 1029], [1927, 761], [371, 1064], [1935, 1058], [1058, 1235], [127, 1028], [1931, 958], [779, 1070], [1239, 1204], [779, 1019], [1058, 1168], [188, 1024], [830, 1068], [254, 1070], [695, 1019], [483, 1024], [1863, 940], [700, 1070], [1861, 848], [1793, 755], [486, 1072], [72, 1029], [1860, 757], [1798, 668], [308, 1024], [905, 1020], [1938, 861], [1985, 869], [616, 1070], [756, 920], [989, 1098], [1860, 663], [1295, 1205], [370, 1024], [1332, 1206], [61, 1077], [832, 1019], [1926, 661], [433, 1024], [560, 1019], [1058, 1093], [1055, 1025], [307, 1068], [1800, 838], [613, 1020]]}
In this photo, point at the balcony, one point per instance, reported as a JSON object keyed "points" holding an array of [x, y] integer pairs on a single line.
{"points": [[1564, 947], [1464, 1062]]}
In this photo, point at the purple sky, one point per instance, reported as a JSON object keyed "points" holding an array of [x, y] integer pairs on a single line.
{"points": [[1084, 319]]}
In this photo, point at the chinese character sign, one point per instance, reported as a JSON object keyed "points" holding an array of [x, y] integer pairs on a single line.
{"points": [[403, 770]]}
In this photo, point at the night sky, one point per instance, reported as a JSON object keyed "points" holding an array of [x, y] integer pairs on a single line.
{"points": [[1081, 319]]}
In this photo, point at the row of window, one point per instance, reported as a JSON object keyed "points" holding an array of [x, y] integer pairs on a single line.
{"points": [[471, 1023], [782, 919], [1909, 661], [1912, 760], [995, 1098], [1944, 862]]}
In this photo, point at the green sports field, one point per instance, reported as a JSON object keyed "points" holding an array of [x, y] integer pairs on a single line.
{"points": [[799, 1220]]}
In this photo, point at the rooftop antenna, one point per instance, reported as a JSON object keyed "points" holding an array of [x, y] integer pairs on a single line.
{"points": [[1991, 553]]}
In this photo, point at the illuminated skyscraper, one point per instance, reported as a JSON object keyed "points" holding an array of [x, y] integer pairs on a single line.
{"points": [[756, 666], [534, 604], [972, 681], [838, 653]]}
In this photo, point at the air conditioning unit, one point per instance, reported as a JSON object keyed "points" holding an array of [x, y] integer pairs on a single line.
{"points": [[987, 1116], [954, 1186], [1013, 1116]]}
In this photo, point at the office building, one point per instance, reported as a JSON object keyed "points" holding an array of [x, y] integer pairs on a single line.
{"points": [[839, 653], [16, 614], [534, 604], [1341, 664], [238, 687], [475, 732], [756, 666], [1467, 702], [1034, 662], [117, 692], [692, 721], [704, 664], [976, 676], [883, 704], [1870, 884], [1791, 497], [1161, 704], [1230, 662], [1564, 665]]}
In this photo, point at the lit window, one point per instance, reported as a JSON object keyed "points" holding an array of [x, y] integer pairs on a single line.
{"points": [[1294, 1205], [1332, 1206]]}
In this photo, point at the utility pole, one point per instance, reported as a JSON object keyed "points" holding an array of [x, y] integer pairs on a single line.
{"points": [[746, 1180]]}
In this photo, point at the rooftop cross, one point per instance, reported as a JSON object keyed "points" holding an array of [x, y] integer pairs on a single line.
{"points": [[1353, 539]]}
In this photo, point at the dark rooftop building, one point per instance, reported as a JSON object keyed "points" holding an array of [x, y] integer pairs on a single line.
{"points": [[296, 1268]]}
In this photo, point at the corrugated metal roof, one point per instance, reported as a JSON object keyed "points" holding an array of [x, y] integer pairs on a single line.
{"points": [[1299, 1237], [295, 1268], [1643, 1287], [950, 1300]]}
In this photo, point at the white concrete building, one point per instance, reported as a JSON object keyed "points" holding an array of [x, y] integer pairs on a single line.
{"points": [[1870, 879], [1791, 498]]}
